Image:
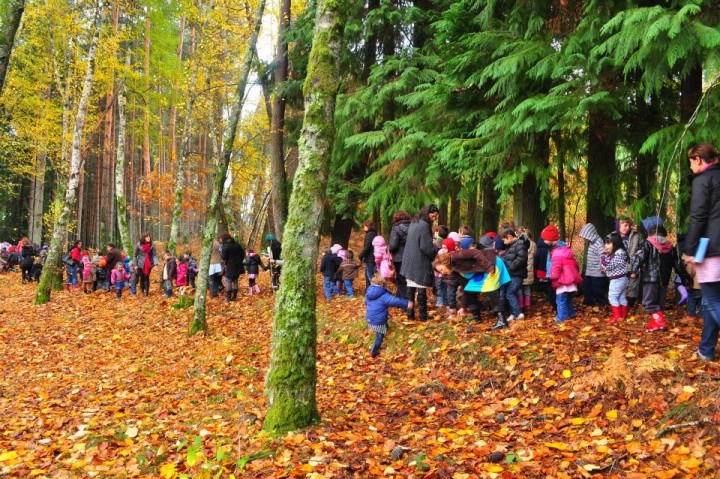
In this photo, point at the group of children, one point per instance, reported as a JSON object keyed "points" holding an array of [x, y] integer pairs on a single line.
{"points": [[620, 268]]}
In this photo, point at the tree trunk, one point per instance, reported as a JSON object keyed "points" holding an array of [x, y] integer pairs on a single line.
{"points": [[147, 166], [690, 94], [454, 207], [199, 322], [562, 211], [37, 197], [277, 151], [120, 198], [490, 217], [9, 22], [291, 380], [472, 204], [63, 218], [601, 169]]}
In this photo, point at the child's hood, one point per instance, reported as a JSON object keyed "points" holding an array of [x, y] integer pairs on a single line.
{"points": [[378, 241], [564, 252], [661, 243], [589, 232], [375, 292]]}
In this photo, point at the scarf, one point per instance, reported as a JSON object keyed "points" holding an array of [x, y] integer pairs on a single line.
{"points": [[147, 265]]}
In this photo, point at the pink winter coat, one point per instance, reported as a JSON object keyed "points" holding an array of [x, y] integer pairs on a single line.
{"points": [[379, 249], [182, 275], [565, 269]]}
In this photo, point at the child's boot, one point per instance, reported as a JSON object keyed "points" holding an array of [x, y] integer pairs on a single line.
{"points": [[616, 315], [67, 287], [501, 321], [256, 289], [250, 291], [623, 311], [657, 322], [527, 302], [683, 294], [477, 315]]}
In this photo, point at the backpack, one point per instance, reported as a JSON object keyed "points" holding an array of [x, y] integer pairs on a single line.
{"points": [[387, 268]]}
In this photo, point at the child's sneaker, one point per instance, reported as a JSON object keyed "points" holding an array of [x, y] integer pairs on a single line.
{"points": [[702, 357], [558, 320]]}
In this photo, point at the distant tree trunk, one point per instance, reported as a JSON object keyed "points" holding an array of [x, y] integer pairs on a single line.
{"points": [[472, 205], [601, 169], [528, 210], [146, 118], [291, 379], [120, 198], [561, 201], [37, 197], [490, 218], [9, 24], [277, 125], [199, 321], [61, 221], [690, 94]]}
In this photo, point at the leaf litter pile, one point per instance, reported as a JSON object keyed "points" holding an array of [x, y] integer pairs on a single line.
{"points": [[95, 387]]}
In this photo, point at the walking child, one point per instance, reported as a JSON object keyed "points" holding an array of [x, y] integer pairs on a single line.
{"points": [[181, 280], [118, 276], [614, 263], [169, 273], [348, 271], [253, 263], [328, 267], [378, 300], [133, 278]]}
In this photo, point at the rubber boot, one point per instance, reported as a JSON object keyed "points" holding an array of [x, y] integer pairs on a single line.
{"points": [[683, 294], [250, 291], [657, 322], [623, 311], [234, 294], [616, 315], [228, 295], [67, 287], [422, 309], [521, 301], [256, 289], [477, 316], [501, 321], [527, 302]]}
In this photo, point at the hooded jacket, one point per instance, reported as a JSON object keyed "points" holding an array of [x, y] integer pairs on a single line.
{"points": [[656, 259], [564, 269], [254, 263], [516, 258], [595, 250], [378, 300], [705, 212], [398, 236]]}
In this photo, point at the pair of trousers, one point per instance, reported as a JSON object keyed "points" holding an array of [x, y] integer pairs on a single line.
{"points": [[653, 297], [421, 300], [513, 287], [617, 291], [369, 273], [329, 287], [565, 307], [400, 279], [694, 303], [440, 291], [349, 288], [711, 318]]}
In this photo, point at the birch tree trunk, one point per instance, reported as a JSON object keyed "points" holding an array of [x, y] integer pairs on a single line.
{"points": [[10, 22], [37, 198], [199, 322], [291, 380], [60, 226], [120, 167], [277, 125]]}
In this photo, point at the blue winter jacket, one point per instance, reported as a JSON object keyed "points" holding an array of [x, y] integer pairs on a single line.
{"points": [[378, 300]]}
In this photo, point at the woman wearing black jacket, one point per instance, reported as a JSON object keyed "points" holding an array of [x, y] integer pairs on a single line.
{"points": [[367, 254], [705, 223], [233, 255], [396, 247], [417, 259]]}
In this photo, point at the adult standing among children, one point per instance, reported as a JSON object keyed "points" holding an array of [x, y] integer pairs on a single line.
{"points": [[27, 259], [632, 240], [705, 223], [234, 255], [396, 247], [366, 255], [417, 259], [145, 258], [114, 256]]}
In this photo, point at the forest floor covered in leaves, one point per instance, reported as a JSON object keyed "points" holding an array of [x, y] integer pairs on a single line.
{"points": [[95, 387]]}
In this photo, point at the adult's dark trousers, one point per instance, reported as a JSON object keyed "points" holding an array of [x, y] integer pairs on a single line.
{"points": [[421, 301], [401, 281], [595, 289], [711, 318], [144, 280]]}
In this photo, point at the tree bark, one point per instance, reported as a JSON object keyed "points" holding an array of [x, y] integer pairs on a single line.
{"points": [[490, 217], [291, 380], [472, 204], [120, 198], [601, 169], [11, 23], [61, 221], [37, 197], [690, 94], [277, 125], [199, 321]]}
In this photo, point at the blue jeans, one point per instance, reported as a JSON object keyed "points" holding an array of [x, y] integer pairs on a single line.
{"points": [[167, 287], [616, 293], [369, 273], [348, 288], [133, 288], [329, 287], [72, 274], [376, 345], [440, 291], [711, 318], [511, 293], [565, 308]]}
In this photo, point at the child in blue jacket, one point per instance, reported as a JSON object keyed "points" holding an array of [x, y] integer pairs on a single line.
{"points": [[378, 299]]}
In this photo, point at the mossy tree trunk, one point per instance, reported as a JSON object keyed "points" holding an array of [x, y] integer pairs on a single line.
{"points": [[120, 168], [60, 226], [9, 24], [291, 380], [199, 321]]}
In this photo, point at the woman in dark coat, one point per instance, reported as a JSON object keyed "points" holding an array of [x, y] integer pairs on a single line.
{"points": [[705, 225], [233, 255], [417, 259], [367, 255], [396, 247], [146, 258], [28, 255]]}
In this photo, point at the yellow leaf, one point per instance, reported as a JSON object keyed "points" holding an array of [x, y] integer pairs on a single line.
{"points": [[494, 468], [577, 421], [637, 423], [566, 374], [560, 446], [611, 415], [167, 471], [37, 472], [591, 467], [8, 456], [691, 463], [688, 389]]}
